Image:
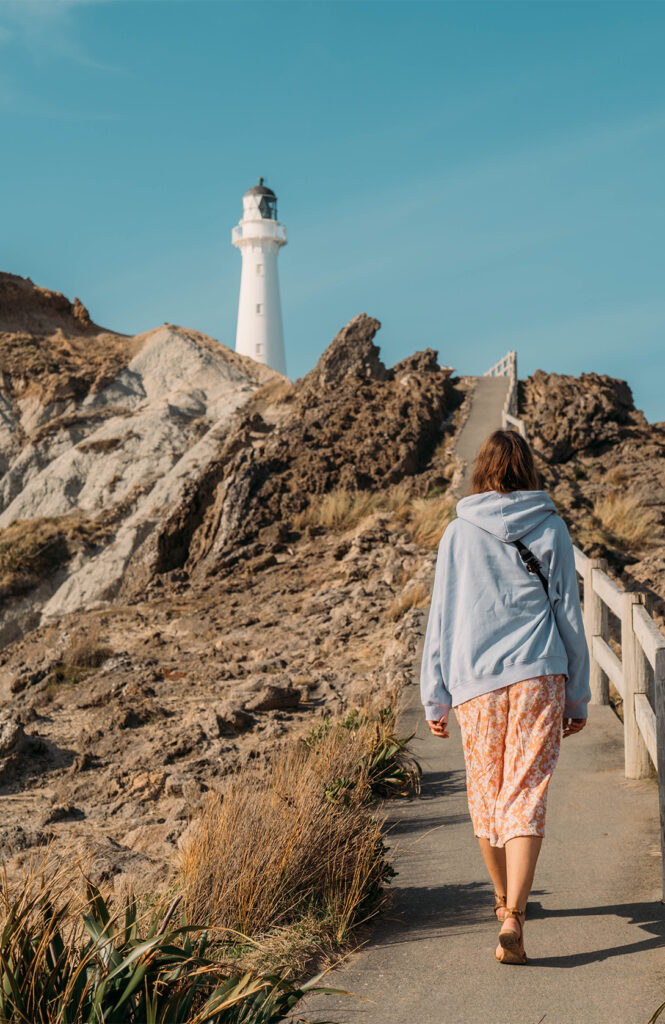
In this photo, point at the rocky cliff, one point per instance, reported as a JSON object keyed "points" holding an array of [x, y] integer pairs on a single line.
{"points": [[100, 435], [350, 423], [172, 606], [605, 467]]}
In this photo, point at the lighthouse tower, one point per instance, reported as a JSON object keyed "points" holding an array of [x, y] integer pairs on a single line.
{"points": [[259, 236]]}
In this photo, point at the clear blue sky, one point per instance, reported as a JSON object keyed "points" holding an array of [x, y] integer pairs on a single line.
{"points": [[479, 176]]}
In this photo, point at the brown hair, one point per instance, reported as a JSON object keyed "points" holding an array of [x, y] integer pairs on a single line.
{"points": [[504, 463]]}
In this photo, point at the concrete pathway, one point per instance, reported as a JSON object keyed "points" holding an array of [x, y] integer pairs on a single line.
{"points": [[484, 417], [595, 933]]}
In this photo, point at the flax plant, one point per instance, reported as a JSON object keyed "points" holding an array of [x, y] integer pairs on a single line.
{"points": [[66, 964]]}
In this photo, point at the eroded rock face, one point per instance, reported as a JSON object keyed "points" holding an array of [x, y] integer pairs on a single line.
{"points": [[198, 630], [594, 448], [274, 696], [103, 432], [16, 748], [350, 424], [570, 415], [12, 734]]}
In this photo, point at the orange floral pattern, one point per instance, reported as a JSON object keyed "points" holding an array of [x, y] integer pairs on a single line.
{"points": [[511, 740]]}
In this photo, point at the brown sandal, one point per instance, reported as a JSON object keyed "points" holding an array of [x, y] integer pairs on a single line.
{"points": [[511, 942], [499, 904]]}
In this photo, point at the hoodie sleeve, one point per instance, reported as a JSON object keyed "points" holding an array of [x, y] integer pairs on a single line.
{"points": [[565, 599], [433, 691]]}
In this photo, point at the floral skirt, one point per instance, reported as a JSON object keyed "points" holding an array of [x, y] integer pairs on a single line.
{"points": [[511, 740]]}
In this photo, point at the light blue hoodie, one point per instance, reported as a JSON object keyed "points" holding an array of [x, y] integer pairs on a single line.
{"points": [[490, 622]]}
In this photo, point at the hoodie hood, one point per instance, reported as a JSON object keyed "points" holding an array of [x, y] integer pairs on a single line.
{"points": [[507, 516]]}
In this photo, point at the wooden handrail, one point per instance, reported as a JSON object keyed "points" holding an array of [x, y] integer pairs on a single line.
{"points": [[646, 721], [608, 661], [507, 367], [648, 634], [642, 644], [607, 591]]}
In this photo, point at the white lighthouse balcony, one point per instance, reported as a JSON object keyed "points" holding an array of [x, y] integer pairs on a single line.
{"points": [[257, 231]]}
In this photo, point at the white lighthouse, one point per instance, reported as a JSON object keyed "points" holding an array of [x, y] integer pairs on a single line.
{"points": [[259, 236]]}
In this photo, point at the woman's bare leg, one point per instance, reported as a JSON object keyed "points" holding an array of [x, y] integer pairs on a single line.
{"points": [[521, 858], [495, 862]]}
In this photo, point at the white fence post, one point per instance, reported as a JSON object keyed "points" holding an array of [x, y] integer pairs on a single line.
{"points": [[638, 764], [595, 624]]}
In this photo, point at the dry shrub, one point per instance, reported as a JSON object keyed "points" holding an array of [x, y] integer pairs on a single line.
{"points": [[626, 521], [415, 596], [339, 510], [424, 518], [295, 858], [32, 549], [428, 518], [271, 851], [273, 392], [84, 652], [617, 476]]}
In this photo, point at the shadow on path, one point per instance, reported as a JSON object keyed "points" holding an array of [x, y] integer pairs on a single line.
{"points": [[440, 909]]}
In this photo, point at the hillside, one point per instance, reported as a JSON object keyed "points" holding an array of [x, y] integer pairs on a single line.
{"points": [[200, 558], [99, 436], [154, 662]]}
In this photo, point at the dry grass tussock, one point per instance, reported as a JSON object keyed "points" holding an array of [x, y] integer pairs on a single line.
{"points": [[617, 476], [415, 596], [294, 859], [84, 652], [273, 392], [623, 521], [32, 549], [425, 518]]}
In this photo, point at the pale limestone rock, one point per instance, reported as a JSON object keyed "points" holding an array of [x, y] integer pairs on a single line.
{"points": [[128, 449]]}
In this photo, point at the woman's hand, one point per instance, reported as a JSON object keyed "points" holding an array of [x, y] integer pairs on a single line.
{"points": [[573, 725], [440, 728]]}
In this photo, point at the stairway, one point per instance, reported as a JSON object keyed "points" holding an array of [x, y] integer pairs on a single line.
{"points": [[487, 404]]}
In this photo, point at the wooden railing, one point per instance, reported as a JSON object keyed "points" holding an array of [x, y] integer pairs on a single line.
{"points": [[638, 676], [507, 367]]}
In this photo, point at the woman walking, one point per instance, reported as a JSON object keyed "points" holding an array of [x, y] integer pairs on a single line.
{"points": [[505, 648]]}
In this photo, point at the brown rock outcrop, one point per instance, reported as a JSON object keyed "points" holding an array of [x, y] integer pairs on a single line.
{"points": [[604, 465], [350, 423], [46, 344], [570, 415]]}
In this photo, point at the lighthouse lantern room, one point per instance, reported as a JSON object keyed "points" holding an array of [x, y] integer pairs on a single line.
{"points": [[259, 236]]}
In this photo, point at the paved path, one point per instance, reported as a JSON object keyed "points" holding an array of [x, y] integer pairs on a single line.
{"points": [[596, 929], [484, 417]]}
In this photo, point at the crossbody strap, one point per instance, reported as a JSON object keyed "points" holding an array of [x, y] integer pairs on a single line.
{"points": [[532, 564]]}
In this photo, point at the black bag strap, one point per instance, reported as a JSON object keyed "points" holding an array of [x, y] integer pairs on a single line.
{"points": [[532, 564]]}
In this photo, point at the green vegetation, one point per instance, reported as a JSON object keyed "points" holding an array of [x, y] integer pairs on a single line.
{"points": [[381, 759], [60, 965]]}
